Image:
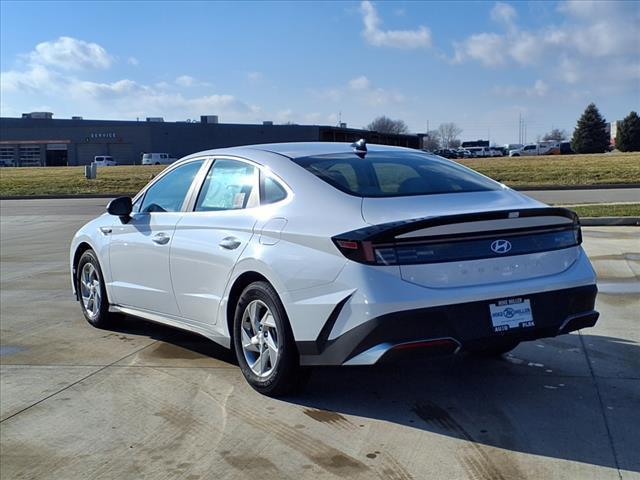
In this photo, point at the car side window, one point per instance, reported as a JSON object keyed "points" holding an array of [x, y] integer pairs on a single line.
{"points": [[169, 192], [229, 185], [272, 191]]}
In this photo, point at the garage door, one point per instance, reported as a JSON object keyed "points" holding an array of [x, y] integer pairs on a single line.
{"points": [[122, 153], [87, 151]]}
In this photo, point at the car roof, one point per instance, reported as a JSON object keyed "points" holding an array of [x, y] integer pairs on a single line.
{"points": [[295, 150]]}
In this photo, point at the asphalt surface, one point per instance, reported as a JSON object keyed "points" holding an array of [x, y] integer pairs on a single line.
{"points": [[145, 401]]}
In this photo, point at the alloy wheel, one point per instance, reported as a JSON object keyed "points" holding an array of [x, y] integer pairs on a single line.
{"points": [[90, 290], [260, 339]]}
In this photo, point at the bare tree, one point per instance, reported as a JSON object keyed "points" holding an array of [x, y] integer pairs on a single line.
{"points": [[556, 134], [449, 133], [431, 141], [387, 125]]}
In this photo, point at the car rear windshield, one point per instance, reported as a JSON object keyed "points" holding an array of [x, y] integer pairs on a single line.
{"points": [[394, 174]]}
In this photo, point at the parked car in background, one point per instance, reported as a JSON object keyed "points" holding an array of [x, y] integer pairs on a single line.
{"points": [[463, 153], [533, 149], [446, 153], [104, 161], [497, 151], [508, 147], [478, 152], [426, 256], [157, 159]]}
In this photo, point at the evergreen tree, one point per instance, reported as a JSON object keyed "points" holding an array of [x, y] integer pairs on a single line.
{"points": [[590, 135], [628, 135]]}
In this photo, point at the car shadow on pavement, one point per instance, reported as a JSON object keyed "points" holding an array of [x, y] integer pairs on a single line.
{"points": [[541, 399], [182, 340]]}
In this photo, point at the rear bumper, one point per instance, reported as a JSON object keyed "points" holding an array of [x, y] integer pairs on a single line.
{"points": [[449, 328]]}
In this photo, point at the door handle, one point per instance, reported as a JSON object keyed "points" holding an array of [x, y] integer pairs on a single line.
{"points": [[230, 243], [161, 238]]}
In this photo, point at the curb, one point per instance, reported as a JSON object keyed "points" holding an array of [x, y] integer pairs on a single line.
{"points": [[62, 197], [610, 221], [603, 186]]}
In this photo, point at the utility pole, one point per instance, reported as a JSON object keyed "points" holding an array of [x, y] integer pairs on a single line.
{"points": [[520, 136]]}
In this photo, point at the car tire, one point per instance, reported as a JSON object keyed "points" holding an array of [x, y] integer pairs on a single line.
{"points": [[92, 292], [495, 350], [157, 163], [264, 344]]}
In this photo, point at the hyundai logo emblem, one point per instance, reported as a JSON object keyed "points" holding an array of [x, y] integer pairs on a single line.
{"points": [[501, 246]]}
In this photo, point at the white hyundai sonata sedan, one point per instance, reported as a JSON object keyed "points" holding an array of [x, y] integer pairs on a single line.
{"points": [[304, 254]]}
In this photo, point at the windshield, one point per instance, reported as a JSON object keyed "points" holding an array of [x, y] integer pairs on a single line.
{"points": [[394, 174], [146, 156]]}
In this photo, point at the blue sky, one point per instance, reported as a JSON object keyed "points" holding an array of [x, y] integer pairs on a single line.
{"points": [[478, 64]]}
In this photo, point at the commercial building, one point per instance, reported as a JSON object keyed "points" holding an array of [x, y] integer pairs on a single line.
{"points": [[37, 139]]}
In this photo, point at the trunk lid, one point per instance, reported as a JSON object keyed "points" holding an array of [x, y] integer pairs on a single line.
{"points": [[382, 210], [456, 245]]}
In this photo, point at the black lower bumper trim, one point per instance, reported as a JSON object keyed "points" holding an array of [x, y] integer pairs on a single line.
{"points": [[469, 324]]}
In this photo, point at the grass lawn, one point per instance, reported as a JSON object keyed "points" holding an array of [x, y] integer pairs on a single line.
{"points": [[611, 210], [516, 172], [591, 169], [71, 181]]}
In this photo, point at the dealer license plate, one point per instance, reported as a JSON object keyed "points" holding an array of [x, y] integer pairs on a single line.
{"points": [[511, 313]]}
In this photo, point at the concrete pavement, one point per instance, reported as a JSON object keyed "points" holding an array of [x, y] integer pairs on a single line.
{"points": [[145, 401], [574, 197]]}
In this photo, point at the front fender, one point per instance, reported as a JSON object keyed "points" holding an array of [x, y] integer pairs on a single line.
{"points": [[91, 236]]}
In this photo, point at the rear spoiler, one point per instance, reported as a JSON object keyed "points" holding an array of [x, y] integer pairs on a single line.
{"points": [[384, 243]]}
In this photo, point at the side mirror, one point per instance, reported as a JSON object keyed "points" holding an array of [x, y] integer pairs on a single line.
{"points": [[120, 207]]}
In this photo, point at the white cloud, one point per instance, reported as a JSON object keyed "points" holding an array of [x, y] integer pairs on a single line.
{"points": [[71, 54], [185, 81], [483, 47], [255, 77], [374, 35], [133, 61], [504, 13], [34, 79], [47, 77], [359, 83], [538, 89], [591, 40], [361, 89]]}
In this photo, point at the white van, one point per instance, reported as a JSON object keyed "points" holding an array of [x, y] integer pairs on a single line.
{"points": [[104, 161], [157, 159]]}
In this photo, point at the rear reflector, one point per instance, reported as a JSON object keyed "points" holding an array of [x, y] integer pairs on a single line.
{"points": [[440, 342], [349, 245]]}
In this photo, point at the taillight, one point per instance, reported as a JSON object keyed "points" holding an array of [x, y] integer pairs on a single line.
{"points": [[458, 248], [356, 250]]}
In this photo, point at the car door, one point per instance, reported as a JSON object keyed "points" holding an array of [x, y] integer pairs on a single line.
{"points": [[139, 249], [209, 239]]}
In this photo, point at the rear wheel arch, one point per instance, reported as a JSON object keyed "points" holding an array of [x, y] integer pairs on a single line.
{"points": [[235, 291], [240, 283]]}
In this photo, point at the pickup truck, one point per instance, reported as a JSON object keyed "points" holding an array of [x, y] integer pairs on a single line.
{"points": [[533, 149]]}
